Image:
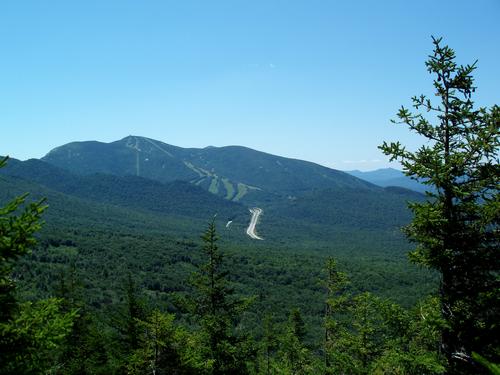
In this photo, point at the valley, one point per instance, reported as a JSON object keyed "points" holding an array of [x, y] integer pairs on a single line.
{"points": [[249, 188], [145, 219], [310, 211]]}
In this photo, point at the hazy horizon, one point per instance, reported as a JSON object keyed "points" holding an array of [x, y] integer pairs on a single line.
{"points": [[392, 166]]}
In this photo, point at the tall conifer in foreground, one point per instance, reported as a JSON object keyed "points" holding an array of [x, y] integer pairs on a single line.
{"points": [[31, 333], [456, 228], [218, 312]]}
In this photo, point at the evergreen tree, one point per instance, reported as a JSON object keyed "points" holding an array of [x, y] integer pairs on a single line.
{"points": [[336, 304], [269, 343], [91, 346], [16, 240], [294, 357], [368, 332], [33, 338], [456, 228], [365, 334], [31, 334], [162, 348], [411, 339], [135, 313], [218, 312]]}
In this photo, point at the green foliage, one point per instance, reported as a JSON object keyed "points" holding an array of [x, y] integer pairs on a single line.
{"points": [[34, 337], [163, 348], [365, 334], [115, 334], [218, 312], [30, 333], [16, 240], [456, 229], [102, 225], [174, 198], [158, 247], [493, 368], [375, 209], [293, 356], [336, 304], [269, 345], [82, 235], [242, 167], [412, 347], [134, 314]]}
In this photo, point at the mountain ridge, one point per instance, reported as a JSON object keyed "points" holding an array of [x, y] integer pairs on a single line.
{"points": [[385, 177], [236, 173], [177, 198]]}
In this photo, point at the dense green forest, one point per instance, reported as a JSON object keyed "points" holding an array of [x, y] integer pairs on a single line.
{"points": [[120, 274], [120, 319]]}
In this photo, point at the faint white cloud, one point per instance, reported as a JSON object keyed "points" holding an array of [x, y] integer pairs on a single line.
{"points": [[363, 164], [354, 161], [362, 161], [268, 65]]}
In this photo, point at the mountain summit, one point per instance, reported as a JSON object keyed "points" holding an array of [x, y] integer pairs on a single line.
{"points": [[234, 172]]}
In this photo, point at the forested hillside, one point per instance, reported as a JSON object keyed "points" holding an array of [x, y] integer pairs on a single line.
{"points": [[235, 173], [76, 211], [89, 253], [133, 257], [100, 228], [172, 198]]}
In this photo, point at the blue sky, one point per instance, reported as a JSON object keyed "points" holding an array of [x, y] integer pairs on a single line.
{"points": [[315, 80]]}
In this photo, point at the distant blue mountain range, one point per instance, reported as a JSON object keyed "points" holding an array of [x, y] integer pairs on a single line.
{"points": [[389, 177]]}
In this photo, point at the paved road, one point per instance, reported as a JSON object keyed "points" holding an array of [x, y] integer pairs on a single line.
{"points": [[253, 222]]}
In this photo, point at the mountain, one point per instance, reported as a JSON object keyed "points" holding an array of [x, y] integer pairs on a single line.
{"points": [[104, 241], [177, 198], [389, 177], [233, 172], [108, 221], [359, 209], [300, 199], [377, 175], [68, 216], [313, 214]]}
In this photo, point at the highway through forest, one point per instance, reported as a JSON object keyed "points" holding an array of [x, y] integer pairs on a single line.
{"points": [[256, 212]]}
